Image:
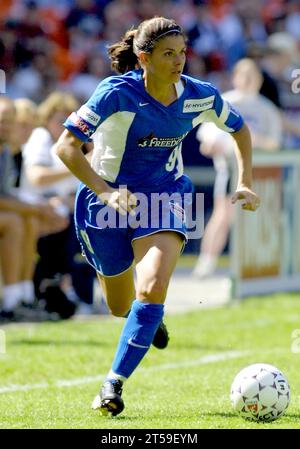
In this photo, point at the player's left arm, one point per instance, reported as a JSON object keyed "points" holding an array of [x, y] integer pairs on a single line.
{"points": [[224, 115], [243, 153]]}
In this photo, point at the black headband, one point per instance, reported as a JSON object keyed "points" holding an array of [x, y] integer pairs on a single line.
{"points": [[149, 45]]}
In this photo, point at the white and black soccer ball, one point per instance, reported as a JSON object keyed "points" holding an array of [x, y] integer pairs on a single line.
{"points": [[260, 392]]}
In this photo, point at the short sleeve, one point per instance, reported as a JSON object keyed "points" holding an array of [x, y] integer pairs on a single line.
{"points": [[223, 114], [84, 122], [36, 151]]}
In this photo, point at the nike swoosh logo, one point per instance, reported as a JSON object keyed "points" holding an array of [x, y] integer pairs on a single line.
{"points": [[143, 104], [131, 343]]}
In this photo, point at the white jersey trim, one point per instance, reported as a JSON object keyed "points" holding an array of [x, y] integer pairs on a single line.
{"points": [[179, 88], [225, 112], [180, 167], [211, 116], [110, 144]]}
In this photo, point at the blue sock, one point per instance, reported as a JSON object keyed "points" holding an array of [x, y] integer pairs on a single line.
{"points": [[136, 337]]}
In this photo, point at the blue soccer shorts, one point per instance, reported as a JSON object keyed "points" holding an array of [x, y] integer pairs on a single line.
{"points": [[106, 236]]}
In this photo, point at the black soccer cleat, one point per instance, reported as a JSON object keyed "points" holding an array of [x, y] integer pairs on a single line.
{"points": [[161, 338], [109, 399]]}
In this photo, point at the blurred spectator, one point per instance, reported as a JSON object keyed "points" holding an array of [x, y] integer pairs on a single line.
{"points": [[150, 8], [12, 50], [86, 15], [293, 19], [204, 37], [46, 45], [5, 5], [264, 122], [282, 58], [25, 122], [46, 175], [83, 84], [84, 24], [20, 225], [269, 87], [121, 15], [274, 13], [232, 36], [249, 12], [196, 66], [35, 80], [44, 172]]}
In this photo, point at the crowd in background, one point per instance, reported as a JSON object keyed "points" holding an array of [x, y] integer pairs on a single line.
{"points": [[48, 45], [54, 53], [40, 256]]}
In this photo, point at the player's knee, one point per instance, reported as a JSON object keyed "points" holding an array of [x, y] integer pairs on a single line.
{"points": [[153, 290]]}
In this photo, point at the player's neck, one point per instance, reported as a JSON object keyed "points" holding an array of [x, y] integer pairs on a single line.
{"points": [[162, 92]]}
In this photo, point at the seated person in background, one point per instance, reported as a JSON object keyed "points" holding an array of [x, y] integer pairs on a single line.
{"points": [[20, 226], [25, 121], [265, 124], [44, 174]]}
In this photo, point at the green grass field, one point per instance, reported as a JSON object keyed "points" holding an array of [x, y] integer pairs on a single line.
{"points": [[51, 371]]}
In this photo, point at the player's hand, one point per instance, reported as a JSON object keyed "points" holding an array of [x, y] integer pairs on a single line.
{"points": [[250, 201], [121, 200]]}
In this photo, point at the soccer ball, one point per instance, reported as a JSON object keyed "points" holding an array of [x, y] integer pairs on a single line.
{"points": [[260, 392]]}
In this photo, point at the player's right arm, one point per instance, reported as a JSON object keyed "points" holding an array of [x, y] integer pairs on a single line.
{"points": [[68, 149], [80, 126]]}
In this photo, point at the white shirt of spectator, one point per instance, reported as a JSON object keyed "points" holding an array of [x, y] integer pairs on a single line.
{"points": [[38, 151], [261, 116], [259, 113]]}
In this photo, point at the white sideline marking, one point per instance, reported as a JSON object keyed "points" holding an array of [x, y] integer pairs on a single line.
{"points": [[13, 388], [211, 358], [78, 381]]}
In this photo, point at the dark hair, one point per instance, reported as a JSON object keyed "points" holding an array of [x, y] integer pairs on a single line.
{"points": [[124, 54]]}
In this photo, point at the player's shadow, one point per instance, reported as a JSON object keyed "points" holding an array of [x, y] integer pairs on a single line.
{"points": [[234, 415], [119, 418], [291, 415], [221, 414]]}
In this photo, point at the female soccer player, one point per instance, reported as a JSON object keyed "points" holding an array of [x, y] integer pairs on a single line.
{"points": [[138, 120]]}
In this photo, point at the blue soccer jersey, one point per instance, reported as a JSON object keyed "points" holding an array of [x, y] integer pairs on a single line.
{"points": [[137, 140]]}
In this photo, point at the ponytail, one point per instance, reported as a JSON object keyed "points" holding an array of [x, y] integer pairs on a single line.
{"points": [[124, 54], [123, 58]]}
